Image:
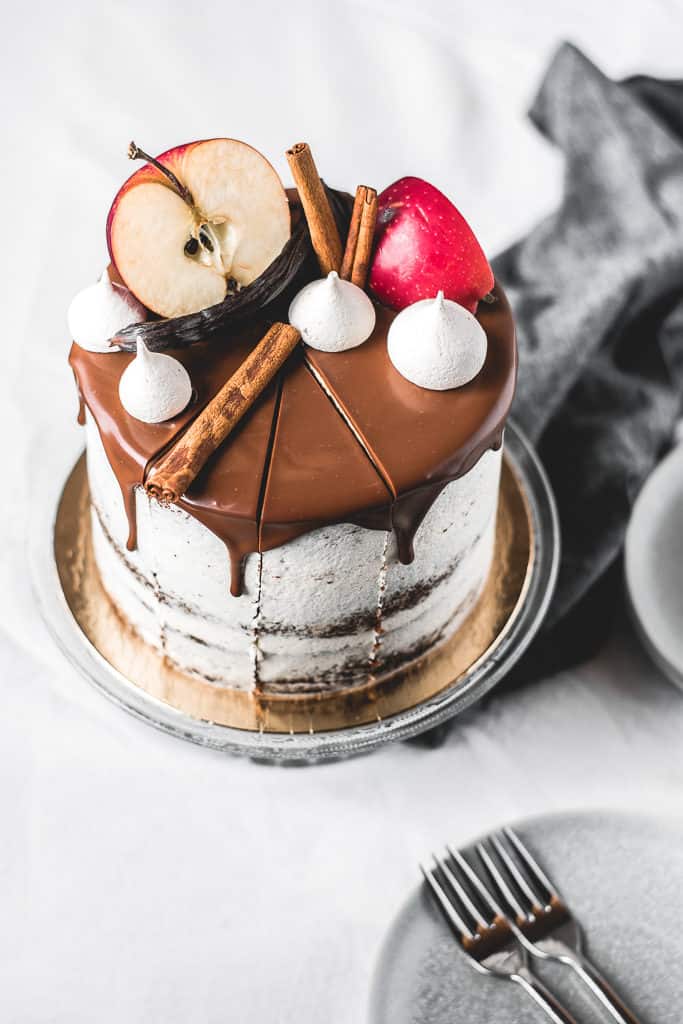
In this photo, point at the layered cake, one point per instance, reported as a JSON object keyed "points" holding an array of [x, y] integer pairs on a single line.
{"points": [[294, 405]]}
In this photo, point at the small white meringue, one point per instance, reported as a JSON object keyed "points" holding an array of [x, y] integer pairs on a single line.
{"points": [[437, 344], [154, 387], [100, 311], [332, 315]]}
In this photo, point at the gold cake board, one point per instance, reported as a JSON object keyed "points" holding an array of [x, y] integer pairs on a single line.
{"points": [[143, 666]]}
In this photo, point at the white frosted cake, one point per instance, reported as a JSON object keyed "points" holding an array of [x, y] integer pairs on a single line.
{"points": [[341, 525]]}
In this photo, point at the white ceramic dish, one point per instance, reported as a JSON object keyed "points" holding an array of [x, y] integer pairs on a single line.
{"points": [[654, 565]]}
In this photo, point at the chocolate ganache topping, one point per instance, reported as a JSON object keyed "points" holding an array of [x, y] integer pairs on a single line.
{"points": [[336, 437]]}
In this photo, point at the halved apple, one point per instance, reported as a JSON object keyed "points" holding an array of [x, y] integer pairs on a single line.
{"points": [[210, 215]]}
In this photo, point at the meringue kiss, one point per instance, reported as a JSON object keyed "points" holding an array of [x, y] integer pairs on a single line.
{"points": [[437, 344], [332, 315], [154, 387], [100, 311]]}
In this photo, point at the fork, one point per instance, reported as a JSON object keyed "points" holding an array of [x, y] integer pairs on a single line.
{"points": [[485, 936], [540, 918]]}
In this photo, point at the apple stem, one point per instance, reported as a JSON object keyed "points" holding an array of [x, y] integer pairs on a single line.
{"points": [[489, 298], [135, 153]]}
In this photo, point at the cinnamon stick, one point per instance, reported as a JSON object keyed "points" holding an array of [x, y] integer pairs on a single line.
{"points": [[169, 478], [321, 222], [356, 261]]}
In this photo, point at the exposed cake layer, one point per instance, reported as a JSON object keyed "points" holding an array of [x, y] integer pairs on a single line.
{"points": [[424, 602], [332, 607], [174, 588]]}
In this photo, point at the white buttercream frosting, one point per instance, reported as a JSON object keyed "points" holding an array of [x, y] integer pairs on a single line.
{"points": [[437, 344], [100, 311], [154, 387], [332, 315], [283, 603]]}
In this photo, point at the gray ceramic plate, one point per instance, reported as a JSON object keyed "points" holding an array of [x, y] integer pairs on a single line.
{"points": [[622, 876]]}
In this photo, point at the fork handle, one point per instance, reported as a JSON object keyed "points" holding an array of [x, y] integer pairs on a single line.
{"points": [[600, 988], [542, 997]]}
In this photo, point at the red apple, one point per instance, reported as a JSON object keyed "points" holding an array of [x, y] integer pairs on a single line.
{"points": [[423, 244], [194, 218]]}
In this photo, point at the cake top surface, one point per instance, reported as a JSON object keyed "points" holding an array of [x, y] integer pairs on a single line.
{"points": [[364, 423]]}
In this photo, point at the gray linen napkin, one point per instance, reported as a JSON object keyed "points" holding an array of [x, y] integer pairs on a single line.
{"points": [[597, 290]]}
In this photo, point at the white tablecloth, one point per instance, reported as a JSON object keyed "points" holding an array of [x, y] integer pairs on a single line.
{"points": [[144, 879]]}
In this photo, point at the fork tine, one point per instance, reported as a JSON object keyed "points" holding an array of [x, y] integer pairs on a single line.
{"points": [[501, 883], [535, 898], [457, 895], [533, 865], [446, 905], [462, 892], [475, 881]]}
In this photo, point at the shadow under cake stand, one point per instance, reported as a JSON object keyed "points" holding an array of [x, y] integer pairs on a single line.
{"points": [[304, 728]]}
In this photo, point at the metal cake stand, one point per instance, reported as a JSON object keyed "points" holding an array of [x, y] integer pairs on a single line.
{"points": [[275, 743]]}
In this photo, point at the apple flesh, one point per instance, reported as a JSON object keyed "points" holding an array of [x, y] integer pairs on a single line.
{"points": [[216, 221], [424, 245]]}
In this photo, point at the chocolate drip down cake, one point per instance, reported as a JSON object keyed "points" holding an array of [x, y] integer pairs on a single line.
{"points": [[294, 405]]}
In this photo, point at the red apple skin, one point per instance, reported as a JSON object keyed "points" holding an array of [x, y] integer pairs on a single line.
{"points": [[423, 244], [147, 228], [146, 173]]}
